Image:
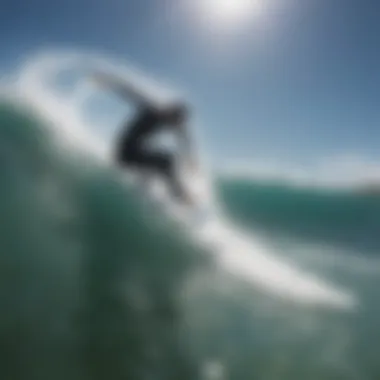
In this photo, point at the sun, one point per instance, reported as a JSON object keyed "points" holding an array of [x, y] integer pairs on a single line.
{"points": [[228, 13]]}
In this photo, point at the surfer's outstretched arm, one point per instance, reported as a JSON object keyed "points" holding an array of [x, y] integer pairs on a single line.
{"points": [[126, 91]]}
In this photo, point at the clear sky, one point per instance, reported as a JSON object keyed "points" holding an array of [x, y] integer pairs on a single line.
{"points": [[280, 79]]}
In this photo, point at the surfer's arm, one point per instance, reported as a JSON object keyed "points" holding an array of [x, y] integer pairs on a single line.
{"points": [[126, 91]]}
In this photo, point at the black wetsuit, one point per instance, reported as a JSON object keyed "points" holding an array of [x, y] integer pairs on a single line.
{"points": [[133, 152]]}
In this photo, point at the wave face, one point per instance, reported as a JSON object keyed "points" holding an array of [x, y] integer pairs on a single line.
{"points": [[89, 283], [96, 283], [340, 217]]}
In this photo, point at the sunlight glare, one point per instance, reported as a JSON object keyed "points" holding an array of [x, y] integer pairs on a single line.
{"points": [[229, 12]]}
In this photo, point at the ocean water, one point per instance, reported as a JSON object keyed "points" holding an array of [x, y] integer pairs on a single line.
{"points": [[97, 282]]}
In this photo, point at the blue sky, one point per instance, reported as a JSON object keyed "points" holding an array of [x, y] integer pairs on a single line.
{"points": [[300, 82]]}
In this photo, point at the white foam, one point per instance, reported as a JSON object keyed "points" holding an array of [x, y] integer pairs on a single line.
{"points": [[343, 172], [244, 256]]}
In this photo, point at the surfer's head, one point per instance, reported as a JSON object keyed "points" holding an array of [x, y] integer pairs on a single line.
{"points": [[176, 113]]}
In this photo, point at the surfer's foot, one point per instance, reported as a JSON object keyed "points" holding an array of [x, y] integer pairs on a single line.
{"points": [[180, 194], [187, 200], [183, 198]]}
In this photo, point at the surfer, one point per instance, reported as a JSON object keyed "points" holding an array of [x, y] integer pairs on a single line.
{"points": [[132, 148]]}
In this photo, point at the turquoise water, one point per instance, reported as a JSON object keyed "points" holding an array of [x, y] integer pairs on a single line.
{"points": [[343, 218], [89, 283], [96, 284]]}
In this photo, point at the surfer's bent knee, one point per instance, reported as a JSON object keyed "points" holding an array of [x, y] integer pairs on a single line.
{"points": [[124, 155]]}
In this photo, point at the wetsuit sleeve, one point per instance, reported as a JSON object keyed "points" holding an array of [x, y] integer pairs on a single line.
{"points": [[126, 91]]}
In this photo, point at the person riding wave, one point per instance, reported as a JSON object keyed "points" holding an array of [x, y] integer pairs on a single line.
{"points": [[133, 149]]}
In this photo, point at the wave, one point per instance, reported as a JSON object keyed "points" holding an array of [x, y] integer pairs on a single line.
{"points": [[84, 269], [343, 217], [92, 276]]}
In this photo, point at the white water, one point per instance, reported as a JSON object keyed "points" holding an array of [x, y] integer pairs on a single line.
{"points": [[244, 256]]}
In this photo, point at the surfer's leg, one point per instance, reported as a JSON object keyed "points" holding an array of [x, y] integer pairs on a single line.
{"points": [[154, 162], [163, 164]]}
